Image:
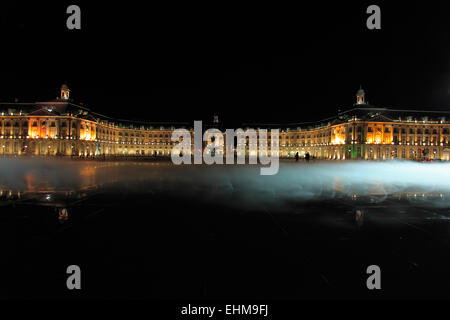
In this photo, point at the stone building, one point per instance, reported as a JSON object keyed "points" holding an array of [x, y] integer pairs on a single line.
{"points": [[64, 128], [368, 132]]}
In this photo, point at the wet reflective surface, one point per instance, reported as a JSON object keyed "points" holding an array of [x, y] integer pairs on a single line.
{"points": [[365, 182], [155, 230]]}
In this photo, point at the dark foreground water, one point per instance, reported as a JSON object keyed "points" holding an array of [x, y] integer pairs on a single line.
{"points": [[155, 230]]}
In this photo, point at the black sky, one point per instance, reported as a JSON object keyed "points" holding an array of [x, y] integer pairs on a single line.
{"points": [[260, 63]]}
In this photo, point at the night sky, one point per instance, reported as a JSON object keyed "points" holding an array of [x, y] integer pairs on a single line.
{"points": [[262, 63]]}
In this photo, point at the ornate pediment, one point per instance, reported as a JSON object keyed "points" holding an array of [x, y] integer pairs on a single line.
{"points": [[335, 121], [42, 112], [380, 118]]}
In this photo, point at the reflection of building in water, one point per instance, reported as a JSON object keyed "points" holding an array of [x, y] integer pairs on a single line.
{"points": [[62, 127], [359, 217], [10, 195], [63, 215]]}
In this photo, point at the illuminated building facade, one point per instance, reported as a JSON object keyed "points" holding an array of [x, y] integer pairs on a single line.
{"points": [[63, 128], [369, 132]]}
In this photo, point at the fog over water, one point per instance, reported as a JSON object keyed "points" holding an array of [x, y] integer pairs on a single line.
{"points": [[233, 184]]}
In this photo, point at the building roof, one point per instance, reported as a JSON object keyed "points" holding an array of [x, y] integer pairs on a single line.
{"points": [[368, 113], [361, 112], [64, 107]]}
